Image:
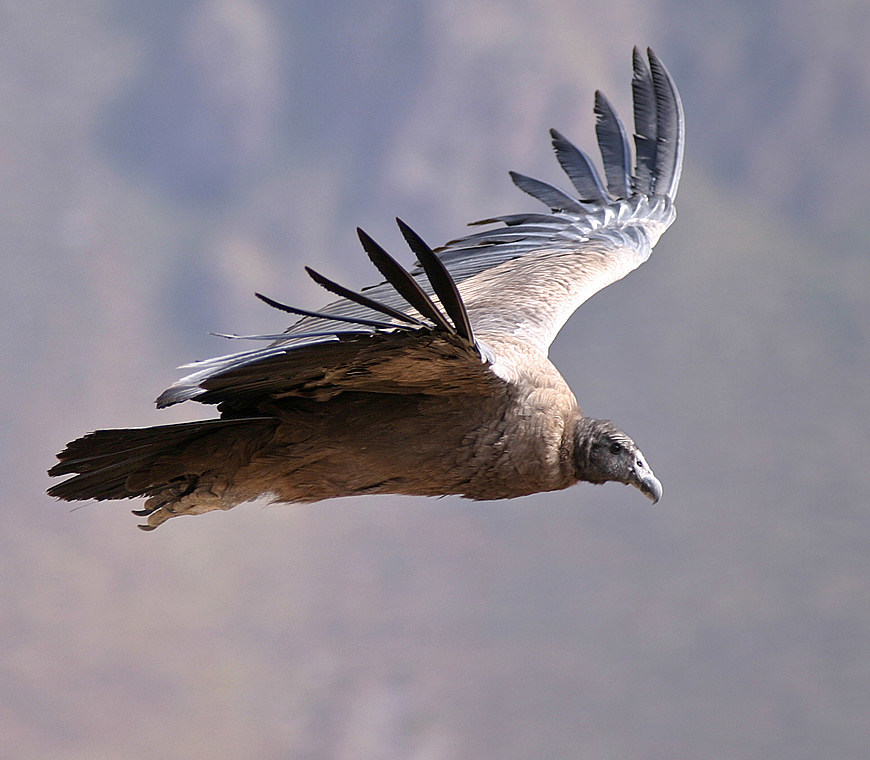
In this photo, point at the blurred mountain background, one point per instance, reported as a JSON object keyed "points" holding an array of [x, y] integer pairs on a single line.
{"points": [[161, 161]]}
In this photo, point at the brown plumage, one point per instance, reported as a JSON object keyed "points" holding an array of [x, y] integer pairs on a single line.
{"points": [[434, 382]]}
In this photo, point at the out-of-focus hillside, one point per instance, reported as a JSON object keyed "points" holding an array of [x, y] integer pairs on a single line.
{"points": [[162, 161]]}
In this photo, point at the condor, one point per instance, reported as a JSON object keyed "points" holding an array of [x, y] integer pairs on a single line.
{"points": [[437, 380]]}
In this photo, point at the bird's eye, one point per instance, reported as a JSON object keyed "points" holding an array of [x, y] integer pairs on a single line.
{"points": [[615, 448]]}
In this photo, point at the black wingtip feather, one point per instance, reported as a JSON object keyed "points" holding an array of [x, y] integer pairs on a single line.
{"points": [[643, 97], [403, 282], [669, 127], [320, 315], [613, 143], [579, 168], [658, 146], [553, 197], [658, 126], [359, 298], [442, 283]]}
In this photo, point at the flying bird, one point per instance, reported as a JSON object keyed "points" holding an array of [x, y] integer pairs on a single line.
{"points": [[435, 381]]}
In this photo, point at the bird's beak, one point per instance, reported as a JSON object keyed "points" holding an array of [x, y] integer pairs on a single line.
{"points": [[647, 482]]}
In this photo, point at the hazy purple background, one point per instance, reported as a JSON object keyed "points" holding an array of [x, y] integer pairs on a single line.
{"points": [[163, 160]]}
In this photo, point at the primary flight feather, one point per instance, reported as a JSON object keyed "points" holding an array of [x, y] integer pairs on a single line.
{"points": [[437, 380]]}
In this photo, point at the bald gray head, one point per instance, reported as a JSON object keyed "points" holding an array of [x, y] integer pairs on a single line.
{"points": [[603, 453]]}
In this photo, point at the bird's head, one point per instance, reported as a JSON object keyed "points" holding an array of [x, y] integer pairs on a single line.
{"points": [[603, 453]]}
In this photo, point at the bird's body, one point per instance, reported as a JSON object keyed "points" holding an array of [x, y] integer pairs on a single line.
{"points": [[455, 395]]}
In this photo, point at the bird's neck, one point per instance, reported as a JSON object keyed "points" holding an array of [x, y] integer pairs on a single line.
{"points": [[582, 433]]}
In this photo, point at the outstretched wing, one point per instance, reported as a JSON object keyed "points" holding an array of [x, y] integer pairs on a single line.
{"points": [[527, 277], [521, 280], [428, 348]]}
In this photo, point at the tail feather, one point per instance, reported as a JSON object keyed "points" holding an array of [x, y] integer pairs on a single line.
{"points": [[130, 462]]}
